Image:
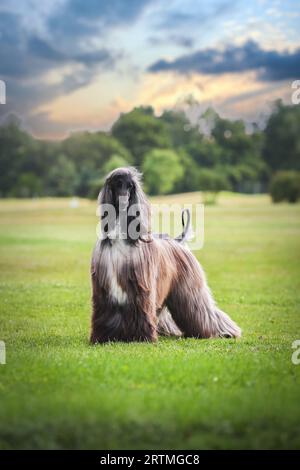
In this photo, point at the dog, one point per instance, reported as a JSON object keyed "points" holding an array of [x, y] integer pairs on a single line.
{"points": [[145, 284]]}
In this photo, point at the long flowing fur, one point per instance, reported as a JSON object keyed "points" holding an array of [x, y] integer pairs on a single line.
{"points": [[150, 285]]}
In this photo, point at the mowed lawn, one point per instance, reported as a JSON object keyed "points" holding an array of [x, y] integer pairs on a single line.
{"points": [[57, 391]]}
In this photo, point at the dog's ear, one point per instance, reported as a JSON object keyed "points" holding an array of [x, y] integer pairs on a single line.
{"points": [[106, 210], [105, 195], [140, 199]]}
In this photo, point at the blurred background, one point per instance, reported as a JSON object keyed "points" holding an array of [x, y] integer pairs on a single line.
{"points": [[197, 95]]}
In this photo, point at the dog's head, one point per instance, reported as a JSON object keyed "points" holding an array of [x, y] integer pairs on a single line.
{"points": [[119, 189], [122, 192]]}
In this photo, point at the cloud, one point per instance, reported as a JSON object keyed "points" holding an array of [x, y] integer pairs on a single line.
{"points": [[177, 39], [27, 58], [41, 49], [12, 57], [195, 15], [183, 41], [67, 42], [174, 20], [63, 61], [24, 55], [270, 65], [85, 18]]}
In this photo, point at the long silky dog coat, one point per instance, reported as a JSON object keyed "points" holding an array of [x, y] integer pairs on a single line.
{"points": [[148, 285]]}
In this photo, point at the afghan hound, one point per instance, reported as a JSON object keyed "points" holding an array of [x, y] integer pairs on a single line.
{"points": [[145, 284]]}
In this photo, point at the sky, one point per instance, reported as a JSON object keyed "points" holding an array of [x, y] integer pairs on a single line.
{"points": [[73, 65]]}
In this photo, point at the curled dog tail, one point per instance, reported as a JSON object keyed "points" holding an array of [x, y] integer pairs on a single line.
{"points": [[187, 230]]}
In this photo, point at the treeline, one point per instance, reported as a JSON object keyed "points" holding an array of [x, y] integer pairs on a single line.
{"points": [[174, 155]]}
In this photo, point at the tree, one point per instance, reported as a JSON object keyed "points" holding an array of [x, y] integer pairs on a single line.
{"points": [[282, 138], [140, 131], [247, 177], [13, 142], [180, 130], [189, 181], [93, 148], [114, 162], [28, 185], [61, 179], [78, 164], [207, 153], [237, 145], [89, 152], [24, 161], [162, 169]]}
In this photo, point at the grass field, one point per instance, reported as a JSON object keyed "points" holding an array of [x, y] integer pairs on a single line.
{"points": [[57, 391]]}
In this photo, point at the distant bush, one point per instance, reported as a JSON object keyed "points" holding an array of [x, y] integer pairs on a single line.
{"points": [[211, 182], [285, 186]]}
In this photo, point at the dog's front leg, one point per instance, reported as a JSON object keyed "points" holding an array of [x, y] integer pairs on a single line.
{"points": [[113, 322], [98, 331], [142, 320], [133, 320], [99, 316]]}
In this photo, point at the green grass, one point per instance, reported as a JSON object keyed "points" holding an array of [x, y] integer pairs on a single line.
{"points": [[57, 391]]}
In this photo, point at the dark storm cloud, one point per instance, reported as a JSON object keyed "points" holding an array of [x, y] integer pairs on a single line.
{"points": [[270, 65]]}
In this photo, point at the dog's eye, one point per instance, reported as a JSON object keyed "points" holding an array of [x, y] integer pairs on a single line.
{"points": [[119, 183], [129, 185]]}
